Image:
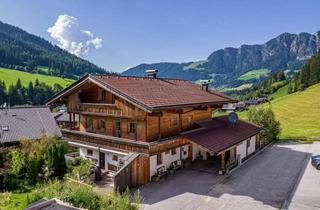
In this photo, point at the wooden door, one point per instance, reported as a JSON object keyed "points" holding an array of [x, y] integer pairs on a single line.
{"points": [[102, 160]]}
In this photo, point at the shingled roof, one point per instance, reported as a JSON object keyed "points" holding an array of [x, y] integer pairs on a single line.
{"points": [[26, 122], [218, 134], [152, 94]]}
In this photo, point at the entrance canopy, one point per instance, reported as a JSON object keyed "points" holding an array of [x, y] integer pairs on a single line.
{"points": [[218, 134]]}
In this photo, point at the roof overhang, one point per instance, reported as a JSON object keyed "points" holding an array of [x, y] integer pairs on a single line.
{"points": [[89, 78]]}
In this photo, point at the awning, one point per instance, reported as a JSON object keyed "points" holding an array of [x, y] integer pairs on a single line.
{"points": [[218, 134]]}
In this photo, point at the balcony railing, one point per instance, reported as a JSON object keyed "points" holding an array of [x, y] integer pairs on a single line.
{"points": [[105, 110]]}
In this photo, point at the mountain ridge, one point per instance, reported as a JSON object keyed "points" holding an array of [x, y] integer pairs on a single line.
{"points": [[224, 66]]}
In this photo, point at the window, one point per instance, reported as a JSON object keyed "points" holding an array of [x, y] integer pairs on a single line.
{"points": [[101, 124], [89, 123], [103, 95], [190, 121], [159, 159], [174, 122], [132, 127], [173, 151], [89, 152], [115, 158], [248, 143]]}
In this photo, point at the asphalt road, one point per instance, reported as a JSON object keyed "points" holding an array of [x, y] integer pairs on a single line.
{"points": [[279, 177]]}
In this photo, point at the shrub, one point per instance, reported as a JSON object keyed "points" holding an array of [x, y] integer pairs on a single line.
{"points": [[121, 202], [18, 162], [34, 170], [10, 181], [76, 194], [266, 119], [55, 160], [82, 170]]}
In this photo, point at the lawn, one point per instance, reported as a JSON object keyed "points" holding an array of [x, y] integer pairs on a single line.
{"points": [[254, 74], [298, 113], [13, 201], [11, 76]]}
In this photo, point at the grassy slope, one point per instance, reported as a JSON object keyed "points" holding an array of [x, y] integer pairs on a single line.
{"points": [[254, 74], [298, 113], [283, 91], [11, 76], [241, 87]]}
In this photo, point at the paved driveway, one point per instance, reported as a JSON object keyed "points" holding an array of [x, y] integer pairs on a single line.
{"points": [[267, 181]]}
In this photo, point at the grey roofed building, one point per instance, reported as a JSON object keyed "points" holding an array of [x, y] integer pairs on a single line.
{"points": [[26, 122], [63, 116], [53, 204]]}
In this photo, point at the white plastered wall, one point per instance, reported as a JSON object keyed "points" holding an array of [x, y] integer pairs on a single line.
{"points": [[167, 159]]}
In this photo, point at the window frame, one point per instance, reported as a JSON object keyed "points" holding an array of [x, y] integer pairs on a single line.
{"points": [[173, 122], [174, 151], [89, 119], [159, 159], [89, 152], [103, 95], [130, 128], [100, 123], [248, 143], [115, 157]]}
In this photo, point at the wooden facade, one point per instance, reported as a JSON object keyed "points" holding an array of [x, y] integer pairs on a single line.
{"points": [[108, 121]]}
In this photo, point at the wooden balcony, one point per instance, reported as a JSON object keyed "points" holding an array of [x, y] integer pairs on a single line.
{"points": [[100, 140], [107, 110]]}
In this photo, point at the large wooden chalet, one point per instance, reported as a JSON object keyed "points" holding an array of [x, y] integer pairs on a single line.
{"points": [[149, 124]]}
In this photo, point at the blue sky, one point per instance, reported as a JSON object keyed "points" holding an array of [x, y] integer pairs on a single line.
{"points": [[144, 31]]}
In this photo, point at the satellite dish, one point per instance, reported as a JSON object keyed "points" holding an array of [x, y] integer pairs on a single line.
{"points": [[233, 117]]}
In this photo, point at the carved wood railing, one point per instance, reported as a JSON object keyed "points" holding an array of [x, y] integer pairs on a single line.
{"points": [[105, 110]]}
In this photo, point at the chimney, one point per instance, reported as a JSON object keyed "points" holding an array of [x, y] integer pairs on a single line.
{"points": [[204, 84], [152, 73]]}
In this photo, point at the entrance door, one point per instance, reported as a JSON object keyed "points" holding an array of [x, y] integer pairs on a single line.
{"points": [[118, 128], [102, 160]]}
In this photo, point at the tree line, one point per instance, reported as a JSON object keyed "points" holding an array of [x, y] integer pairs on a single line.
{"points": [[23, 51], [34, 94], [309, 75], [266, 87]]}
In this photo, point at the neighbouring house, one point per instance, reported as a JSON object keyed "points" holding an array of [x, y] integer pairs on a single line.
{"points": [[63, 119], [45, 204], [17, 123], [228, 107], [140, 127]]}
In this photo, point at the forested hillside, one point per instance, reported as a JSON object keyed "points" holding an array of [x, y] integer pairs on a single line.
{"points": [[23, 51], [308, 76]]}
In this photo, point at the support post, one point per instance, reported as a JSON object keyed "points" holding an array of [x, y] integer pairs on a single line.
{"points": [[223, 162], [159, 126]]}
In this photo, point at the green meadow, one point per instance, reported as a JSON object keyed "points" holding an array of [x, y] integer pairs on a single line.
{"points": [[11, 76], [254, 74], [298, 113]]}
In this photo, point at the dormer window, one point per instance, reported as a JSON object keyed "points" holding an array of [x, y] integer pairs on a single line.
{"points": [[5, 128]]}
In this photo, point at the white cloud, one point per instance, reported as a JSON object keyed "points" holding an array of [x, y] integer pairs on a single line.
{"points": [[71, 38]]}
